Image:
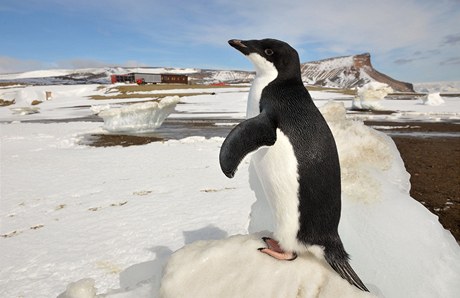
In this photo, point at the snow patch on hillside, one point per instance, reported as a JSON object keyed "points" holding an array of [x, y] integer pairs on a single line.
{"points": [[341, 62], [330, 72]]}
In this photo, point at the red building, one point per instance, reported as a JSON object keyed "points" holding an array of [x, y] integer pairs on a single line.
{"points": [[149, 78]]}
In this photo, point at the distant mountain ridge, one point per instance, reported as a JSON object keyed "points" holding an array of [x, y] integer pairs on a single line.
{"points": [[340, 72]]}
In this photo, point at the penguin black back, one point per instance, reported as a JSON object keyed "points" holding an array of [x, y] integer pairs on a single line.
{"points": [[317, 158]]}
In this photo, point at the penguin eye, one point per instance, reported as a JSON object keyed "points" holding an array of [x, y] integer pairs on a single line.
{"points": [[269, 52]]}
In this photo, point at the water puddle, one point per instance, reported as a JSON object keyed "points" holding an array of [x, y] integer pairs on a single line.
{"points": [[425, 134]]}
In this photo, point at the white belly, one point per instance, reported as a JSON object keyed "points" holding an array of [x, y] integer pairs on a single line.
{"points": [[276, 167], [265, 73]]}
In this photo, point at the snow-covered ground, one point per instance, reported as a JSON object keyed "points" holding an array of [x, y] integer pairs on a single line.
{"points": [[115, 215]]}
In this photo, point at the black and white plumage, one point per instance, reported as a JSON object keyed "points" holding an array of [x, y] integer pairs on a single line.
{"points": [[295, 158]]}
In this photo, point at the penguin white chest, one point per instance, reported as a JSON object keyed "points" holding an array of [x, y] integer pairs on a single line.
{"points": [[276, 166], [277, 169], [265, 73]]}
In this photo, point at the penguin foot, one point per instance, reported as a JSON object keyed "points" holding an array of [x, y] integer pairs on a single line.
{"points": [[274, 250]]}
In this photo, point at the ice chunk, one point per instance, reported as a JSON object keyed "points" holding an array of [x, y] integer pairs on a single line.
{"points": [[139, 117], [370, 95], [432, 99], [97, 109], [25, 110]]}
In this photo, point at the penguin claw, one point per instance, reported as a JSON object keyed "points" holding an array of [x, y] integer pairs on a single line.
{"points": [[274, 250], [284, 256], [272, 244]]}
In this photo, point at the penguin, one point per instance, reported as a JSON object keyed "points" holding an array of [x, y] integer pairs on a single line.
{"points": [[295, 158]]}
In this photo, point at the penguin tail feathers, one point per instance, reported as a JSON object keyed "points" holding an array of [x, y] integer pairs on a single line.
{"points": [[344, 269]]}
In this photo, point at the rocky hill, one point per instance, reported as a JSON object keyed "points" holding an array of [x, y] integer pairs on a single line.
{"points": [[341, 72], [348, 72]]}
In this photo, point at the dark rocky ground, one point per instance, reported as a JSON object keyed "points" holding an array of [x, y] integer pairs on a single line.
{"points": [[431, 154], [434, 165]]}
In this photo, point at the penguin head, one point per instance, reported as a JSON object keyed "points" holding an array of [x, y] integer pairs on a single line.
{"points": [[269, 55]]}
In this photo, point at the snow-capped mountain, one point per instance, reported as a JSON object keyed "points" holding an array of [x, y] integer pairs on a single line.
{"points": [[348, 72], [341, 72]]}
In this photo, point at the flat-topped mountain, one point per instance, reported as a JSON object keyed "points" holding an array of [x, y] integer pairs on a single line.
{"points": [[348, 72]]}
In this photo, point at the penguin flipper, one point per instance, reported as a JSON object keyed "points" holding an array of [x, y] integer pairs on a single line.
{"points": [[343, 268], [246, 137]]}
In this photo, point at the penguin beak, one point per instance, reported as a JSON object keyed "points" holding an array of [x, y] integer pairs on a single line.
{"points": [[240, 46]]}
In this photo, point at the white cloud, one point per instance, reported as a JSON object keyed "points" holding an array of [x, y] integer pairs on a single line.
{"points": [[390, 30], [381, 25], [348, 26]]}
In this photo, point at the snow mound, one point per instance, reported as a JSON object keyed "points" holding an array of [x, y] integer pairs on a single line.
{"points": [[362, 151], [370, 95], [233, 267], [25, 96], [83, 288], [139, 117], [432, 99]]}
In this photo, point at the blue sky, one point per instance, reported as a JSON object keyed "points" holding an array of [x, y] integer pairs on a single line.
{"points": [[410, 40]]}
